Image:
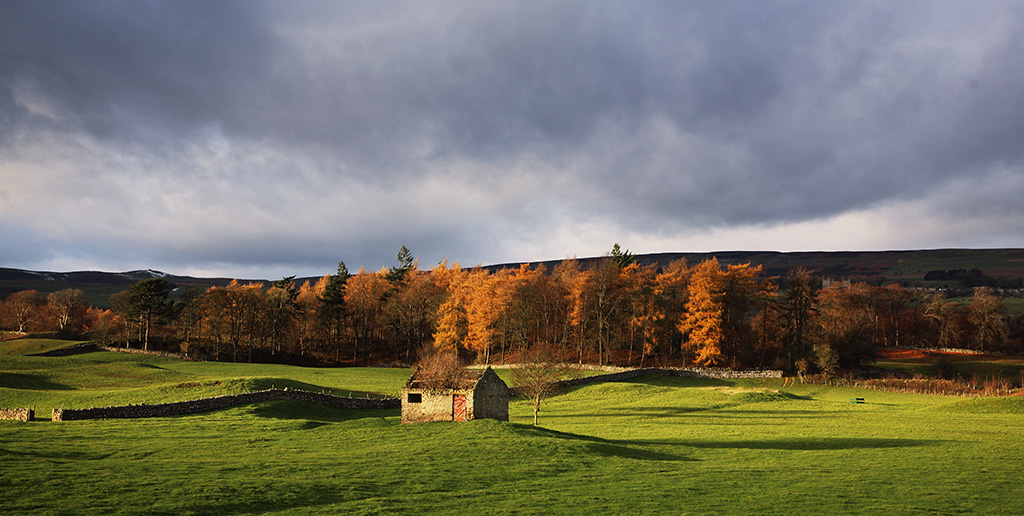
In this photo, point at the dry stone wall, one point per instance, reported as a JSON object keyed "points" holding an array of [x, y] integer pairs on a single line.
{"points": [[135, 351], [18, 414], [688, 373], [220, 402]]}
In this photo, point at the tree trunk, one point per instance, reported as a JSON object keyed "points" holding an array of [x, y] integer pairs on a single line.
{"points": [[145, 345]]}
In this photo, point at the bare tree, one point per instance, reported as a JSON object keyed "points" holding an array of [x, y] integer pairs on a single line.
{"points": [[22, 308], [990, 330], [536, 373], [440, 369], [67, 307]]}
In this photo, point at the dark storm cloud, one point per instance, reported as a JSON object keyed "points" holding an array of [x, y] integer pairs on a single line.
{"points": [[114, 67], [240, 135]]}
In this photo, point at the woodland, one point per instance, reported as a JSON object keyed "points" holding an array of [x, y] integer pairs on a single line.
{"points": [[609, 311]]}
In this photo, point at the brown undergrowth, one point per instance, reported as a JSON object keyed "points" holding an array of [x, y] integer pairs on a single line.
{"points": [[974, 387]]}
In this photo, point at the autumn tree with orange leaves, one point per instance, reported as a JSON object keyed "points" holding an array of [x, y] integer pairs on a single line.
{"points": [[604, 311], [452, 323], [536, 310], [702, 321], [671, 292]]}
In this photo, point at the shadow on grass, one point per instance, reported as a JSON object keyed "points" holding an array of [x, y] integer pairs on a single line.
{"points": [[638, 448], [641, 412], [724, 410], [31, 382], [313, 412], [55, 455], [654, 380], [812, 443], [258, 384], [679, 381], [609, 447]]}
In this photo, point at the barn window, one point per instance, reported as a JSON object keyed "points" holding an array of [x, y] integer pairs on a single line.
{"points": [[415, 397]]}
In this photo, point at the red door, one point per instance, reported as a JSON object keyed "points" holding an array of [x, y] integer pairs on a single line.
{"points": [[459, 407]]}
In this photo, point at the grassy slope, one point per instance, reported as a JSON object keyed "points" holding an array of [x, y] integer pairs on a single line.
{"points": [[107, 378], [657, 445], [25, 346]]}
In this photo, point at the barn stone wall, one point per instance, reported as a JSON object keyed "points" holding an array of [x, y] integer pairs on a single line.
{"points": [[484, 406], [435, 405], [19, 414], [220, 402], [490, 398]]}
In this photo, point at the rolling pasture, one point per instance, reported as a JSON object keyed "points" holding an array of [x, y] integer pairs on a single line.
{"points": [[953, 365], [656, 445], [26, 346]]}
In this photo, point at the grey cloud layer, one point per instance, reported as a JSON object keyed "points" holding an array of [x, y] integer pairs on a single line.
{"points": [[197, 132]]}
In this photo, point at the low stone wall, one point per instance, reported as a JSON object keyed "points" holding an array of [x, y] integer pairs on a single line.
{"points": [[135, 351], [687, 372], [958, 351], [90, 347], [18, 414], [220, 402]]}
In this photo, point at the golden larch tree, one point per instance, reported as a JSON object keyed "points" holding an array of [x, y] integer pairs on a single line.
{"points": [[451, 314], [702, 321]]}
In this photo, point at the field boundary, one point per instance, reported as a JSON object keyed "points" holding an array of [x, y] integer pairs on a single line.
{"points": [[219, 402], [24, 414], [87, 347], [683, 372], [135, 351], [92, 347]]}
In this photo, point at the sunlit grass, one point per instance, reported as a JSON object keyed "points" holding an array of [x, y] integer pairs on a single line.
{"points": [[656, 445], [108, 378], [25, 346]]}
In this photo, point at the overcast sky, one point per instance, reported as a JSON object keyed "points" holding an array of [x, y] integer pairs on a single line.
{"points": [[262, 139]]}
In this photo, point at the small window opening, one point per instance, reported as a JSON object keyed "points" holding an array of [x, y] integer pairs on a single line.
{"points": [[415, 397]]}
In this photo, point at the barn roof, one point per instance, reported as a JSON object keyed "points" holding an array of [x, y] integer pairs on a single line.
{"points": [[467, 380]]}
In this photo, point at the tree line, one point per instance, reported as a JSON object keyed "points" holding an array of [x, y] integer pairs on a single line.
{"points": [[614, 311]]}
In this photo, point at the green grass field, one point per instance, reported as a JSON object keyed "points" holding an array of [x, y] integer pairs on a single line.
{"points": [[954, 365], [25, 346], [652, 446]]}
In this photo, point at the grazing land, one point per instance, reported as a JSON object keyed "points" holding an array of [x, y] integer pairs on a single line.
{"points": [[27, 346], [654, 445], [963, 366]]}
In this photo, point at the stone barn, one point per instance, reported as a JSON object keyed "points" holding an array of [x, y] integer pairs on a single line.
{"points": [[478, 395]]}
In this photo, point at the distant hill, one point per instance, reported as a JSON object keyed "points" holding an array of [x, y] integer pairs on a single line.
{"points": [[882, 267], [1004, 267], [98, 286]]}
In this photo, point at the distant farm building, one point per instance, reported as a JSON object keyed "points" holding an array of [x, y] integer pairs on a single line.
{"points": [[477, 395], [838, 283]]}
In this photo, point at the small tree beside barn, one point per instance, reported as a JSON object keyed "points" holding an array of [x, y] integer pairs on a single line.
{"points": [[468, 395]]}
